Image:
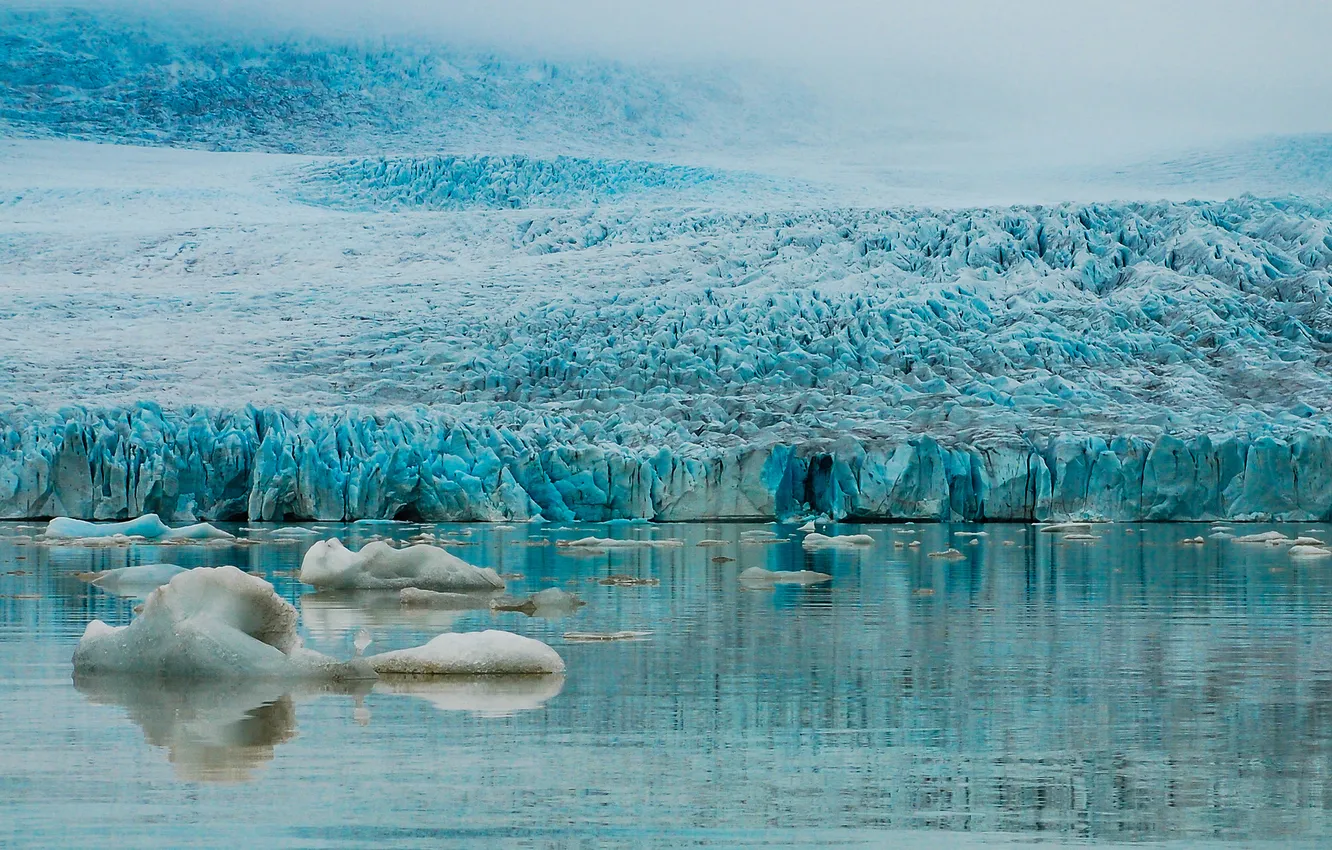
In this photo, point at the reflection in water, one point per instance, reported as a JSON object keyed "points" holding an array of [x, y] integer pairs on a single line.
{"points": [[212, 731], [1129, 688], [488, 696]]}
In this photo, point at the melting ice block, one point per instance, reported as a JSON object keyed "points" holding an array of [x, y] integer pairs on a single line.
{"points": [[471, 654], [329, 564], [209, 623], [148, 526], [814, 540]]}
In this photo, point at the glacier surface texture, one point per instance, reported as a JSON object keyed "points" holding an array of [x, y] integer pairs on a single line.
{"points": [[303, 280]]}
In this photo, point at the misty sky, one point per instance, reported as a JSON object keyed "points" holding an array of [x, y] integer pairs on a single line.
{"points": [[1074, 71]]}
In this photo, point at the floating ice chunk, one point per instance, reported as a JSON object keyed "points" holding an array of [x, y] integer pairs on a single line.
{"points": [[950, 554], [845, 541], [1262, 537], [758, 575], [1065, 526], [711, 542], [621, 580], [133, 581], [420, 597], [589, 637], [294, 531], [329, 564], [209, 622], [471, 654], [489, 696], [148, 526], [757, 534], [609, 543], [1306, 551], [971, 534], [1084, 538], [807, 527], [546, 603], [1307, 541], [1193, 541]]}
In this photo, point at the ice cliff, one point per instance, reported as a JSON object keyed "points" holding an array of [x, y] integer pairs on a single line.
{"points": [[265, 465]]}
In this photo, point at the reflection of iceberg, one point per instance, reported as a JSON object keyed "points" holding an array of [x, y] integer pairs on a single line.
{"points": [[327, 615], [329, 564], [487, 695], [133, 581], [209, 622], [148, 526], [214, 731]]}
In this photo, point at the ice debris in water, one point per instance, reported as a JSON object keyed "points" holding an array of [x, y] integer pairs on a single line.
{"points": [[133, 581], [1262, 537], [815, 540], [609, 543], [1304, 550], [471, 654], [329, 564], [1066, 526], [209, 622], [148, 526], [758, 575], [593, 637], [552, 601], [420, 598], [948, 554]]}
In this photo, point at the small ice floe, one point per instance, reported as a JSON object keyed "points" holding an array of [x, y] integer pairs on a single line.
{"points": [[1275, 537], [1059, 527], [845, 541], [590, 637], [949, 554], [711, 542], [914, 544], [621, 580], [1193, 541], [147, 527], [1307, 541], [610, 543], [1221, 528], [416, 597], [329, 564], [759, 576], [209, 623], [1308, 551], [362, 641], [133, 581], [1221, 535], [293, 531], [973, 542], [551, 602], [757, 534], [809, 526], [503, 527], [1085, 538], [971, 534], [487, 653]]}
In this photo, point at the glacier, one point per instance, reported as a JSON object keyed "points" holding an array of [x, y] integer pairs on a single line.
{"points": [[312, 281]]}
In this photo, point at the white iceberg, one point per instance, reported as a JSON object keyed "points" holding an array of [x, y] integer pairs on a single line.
{"points": [[148, 526], [329, 564], [758, 575], [845, 541], [1307, 551], [485, 653], [1263, 537], [1066, 526], [209, 623], [419, 597], [133, 581]]}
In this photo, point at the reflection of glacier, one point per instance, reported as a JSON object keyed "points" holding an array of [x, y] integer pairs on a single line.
{"points": [[213, 731]]}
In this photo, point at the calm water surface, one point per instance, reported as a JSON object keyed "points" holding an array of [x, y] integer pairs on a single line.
{"points": [[1124, 690]]}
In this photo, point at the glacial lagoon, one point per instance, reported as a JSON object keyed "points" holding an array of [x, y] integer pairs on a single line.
{"points": [[1032, 689]]}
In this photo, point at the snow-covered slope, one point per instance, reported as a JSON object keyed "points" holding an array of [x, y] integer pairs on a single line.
{"points": [[506, 335]]}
